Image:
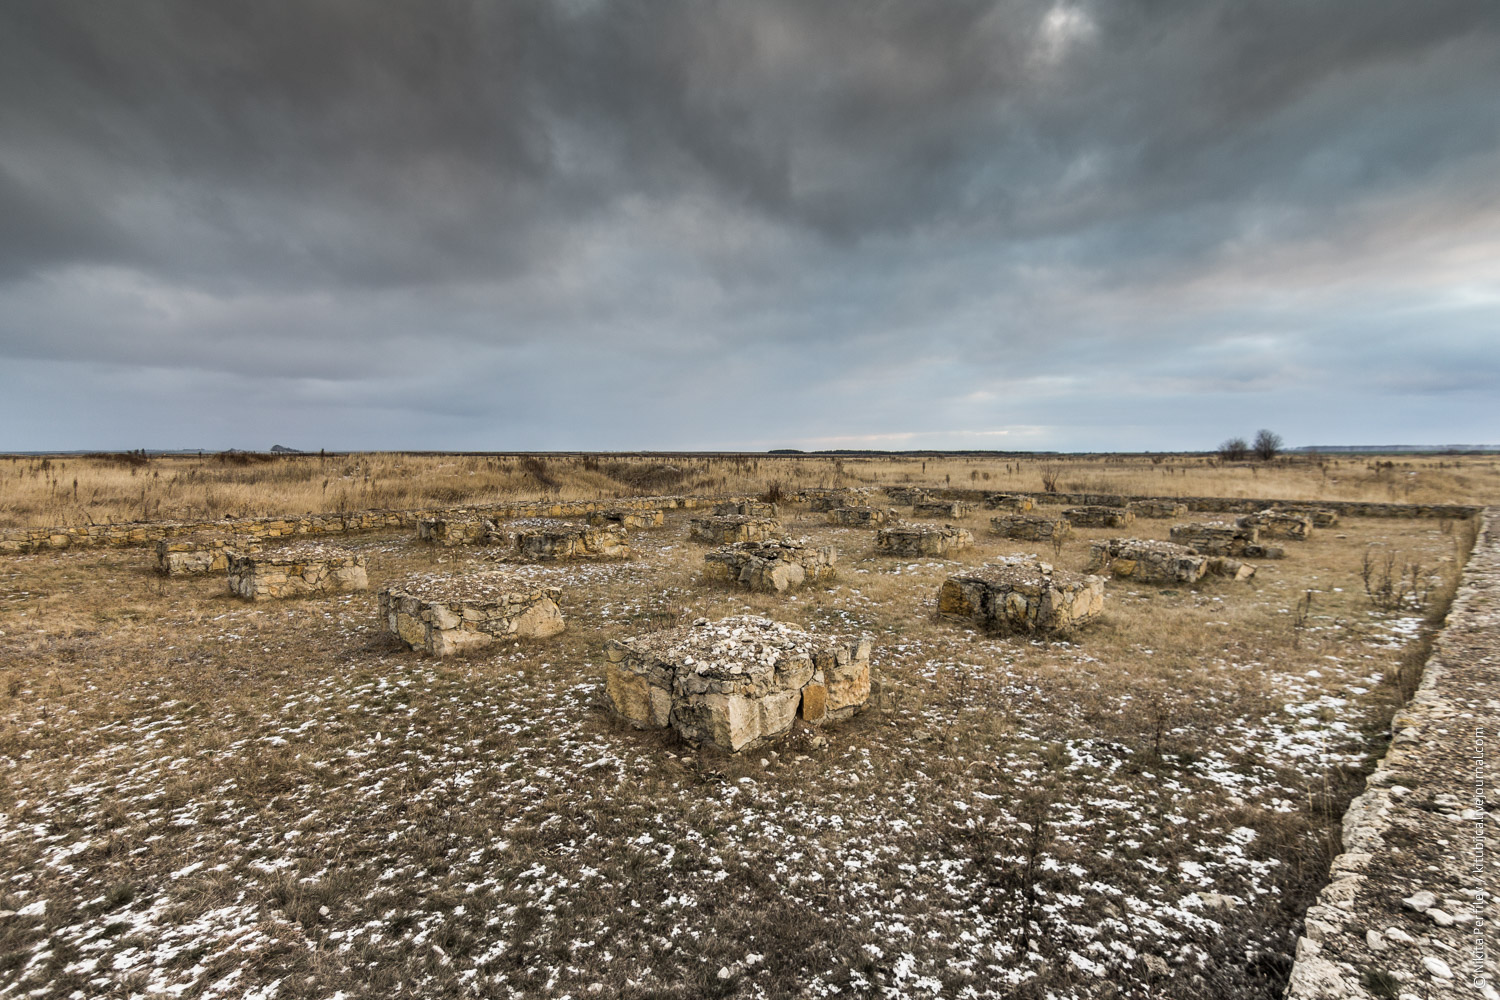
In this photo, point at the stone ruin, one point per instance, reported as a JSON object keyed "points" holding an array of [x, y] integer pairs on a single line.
{"points": [[1014, 502], [747, 508], [941, 508], [632, 520], [737, 682], [296, 570], [1158, 509], [1022, 595], [922, 540], [1030, 527], [1279, 524], [860, 517], [451, 531], [1152, 561], [441, 616], [1322, 517], [907, 495], [723, 530], [196, 555], [572, 541], [1095, 516], [771, 566], [1216, 538], [819, 501]]}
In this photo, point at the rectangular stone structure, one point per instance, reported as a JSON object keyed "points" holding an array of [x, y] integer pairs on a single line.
{"points": [[571, 541], [1157, 509], [771, 566], [907, 495], [441, 616], [859, 517], [1279, 524], [746, 508], [1016, 503], [633, 520], [922, 540], [737, 682], [460, 530], [1322, 517], [1020, 596], [1217, 538], [297, 571], [1030, 527], [821, 501], [197, 555], [733, 528], [941, 508], [1097, 516], [1147, 560]]}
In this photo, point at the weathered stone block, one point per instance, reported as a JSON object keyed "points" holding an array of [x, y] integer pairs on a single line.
{"points": [[459, 530], [733, 528], [941, 508], [572, 541], [296, 571], [1158, 509], [737, 682], [1147, 560], [633, 520], [1022, 596], [746, 508], [922, 540], [1322, 517], [1099, 517], [771, 566], [859, 517], [1216, 538], [1030, 527], [446, 615], [1013, 502], [819, 501], [195, 555], [1279, 524], [907, 495]]}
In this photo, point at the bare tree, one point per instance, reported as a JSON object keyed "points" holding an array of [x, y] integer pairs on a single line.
{"points": [[1267, 444], [1234, 450]]}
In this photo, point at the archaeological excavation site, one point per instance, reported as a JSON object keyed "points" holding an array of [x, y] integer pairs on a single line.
{"points": [[792, 728]]}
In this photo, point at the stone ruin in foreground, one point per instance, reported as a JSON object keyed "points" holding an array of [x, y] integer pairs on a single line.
{"points": [[771, 566], [941, 508], [196, 555], [1030, 527], [736, 682], [1098, 517], [725, 529], [297, 571], [631, 520], [1151, 561], [922, 540], [859, 517], [441, 616], [1216, 538], [1021, 595], [571, 541]]}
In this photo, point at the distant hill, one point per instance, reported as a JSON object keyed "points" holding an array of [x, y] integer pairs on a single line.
{"points": [[281, 449]]}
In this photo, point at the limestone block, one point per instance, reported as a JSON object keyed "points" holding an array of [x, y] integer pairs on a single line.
{"points": [[442, 616], [1022, 595], [941, 508], [1098, 517], [922, 540], [860, 517], [1147, 560], [1158, 509], [771, 566], [1030, 527], [454, 530], [907, 495], [1218, 538], [1279, 524], [1322, 517], [746, 508], [723, 530], [296, 571], [571, 541], [195, 555], [1013, 502], [633, 520]]}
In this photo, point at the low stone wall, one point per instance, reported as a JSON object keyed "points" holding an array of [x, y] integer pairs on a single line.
{"points": [[1030, 527], [771, 566], [1147, 560], [941, 508], [737, 682], [922, 540], [819, 501], [451, 531], [860, 517], [574, 541], [1014, 502], [908, 495], [747, 508], [197, 555], [1216, 538], [1024, 595], [631, 520], [733, 528], [1157, 509], [1322, 517], [297, 571], [1099, 517], [1277, 524], [1412, 900], [442, 616]]}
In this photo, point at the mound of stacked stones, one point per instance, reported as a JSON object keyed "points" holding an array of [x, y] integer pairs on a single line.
{"points": [[450, 531], [747, 508], [195, 555], [1322, 517], [736, 682], [1147, 560], [1013, 502], [1030, 527], [572, 541], [295, 571], [1279, 524], [771, 566], [922, 540], [1217, 538], [441, 616], [733, 528], [1022, 595], [907, 495], [632, 520], [941, 508], [819, 501], [860, 517], [1158, 509], [1098, 517]]}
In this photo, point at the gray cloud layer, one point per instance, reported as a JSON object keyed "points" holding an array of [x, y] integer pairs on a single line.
{"points": [[645, 224]]}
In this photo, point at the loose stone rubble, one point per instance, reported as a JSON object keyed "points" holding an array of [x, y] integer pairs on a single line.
{"points": [[633, 520], [295, 571], [1014, 502], [922, 540], [1022, 595], [737, 682], [747, 508], [1099, 517], [941, 508], [1217, 538], [860, 517], [451, 531], [1279, 524], [442, 616], [733, 528], [572, 541], [196, 555], [1158, 509], [1030, 527], [771, 566]]}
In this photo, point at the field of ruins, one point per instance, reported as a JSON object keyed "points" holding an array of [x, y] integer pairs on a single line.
{"points": [[682, 726]]}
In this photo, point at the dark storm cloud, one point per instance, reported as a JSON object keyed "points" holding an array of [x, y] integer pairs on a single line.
{"points": [[453, 224]]}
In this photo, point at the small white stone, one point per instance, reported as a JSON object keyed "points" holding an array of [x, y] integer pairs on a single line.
{"points": [[1399, 936], [1375, 941], [1439, 917], [1419, 901], [1437, 967], [724, 972]]}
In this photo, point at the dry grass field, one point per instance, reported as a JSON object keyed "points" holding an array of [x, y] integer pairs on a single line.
{"points": [[208, 798]]}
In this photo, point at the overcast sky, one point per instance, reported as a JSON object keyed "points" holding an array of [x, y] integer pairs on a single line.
{"points": [[580, 224]]}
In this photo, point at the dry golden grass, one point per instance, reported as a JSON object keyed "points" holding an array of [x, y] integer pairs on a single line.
{"points": [[36, 492]]}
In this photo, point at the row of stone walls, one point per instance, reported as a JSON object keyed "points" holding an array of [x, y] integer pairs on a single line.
{"points": [[1235, 505]]}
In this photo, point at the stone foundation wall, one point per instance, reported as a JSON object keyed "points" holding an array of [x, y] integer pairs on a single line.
{"points": [[1278, 524], [631, 520], [1148, 561], [444, 616], [819, 501], [941, 508], [1099, 517], [737, 682], [1322, 517], [451, 531], [1013, 502], [860, 517], [747, 508], [1022, 596], [576, 541], [922, 540], [199, 555], [1030, 527], [1216, 538], [733, 528], [297, 571], [905, 496], [771, 566], [1157, 509]]}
